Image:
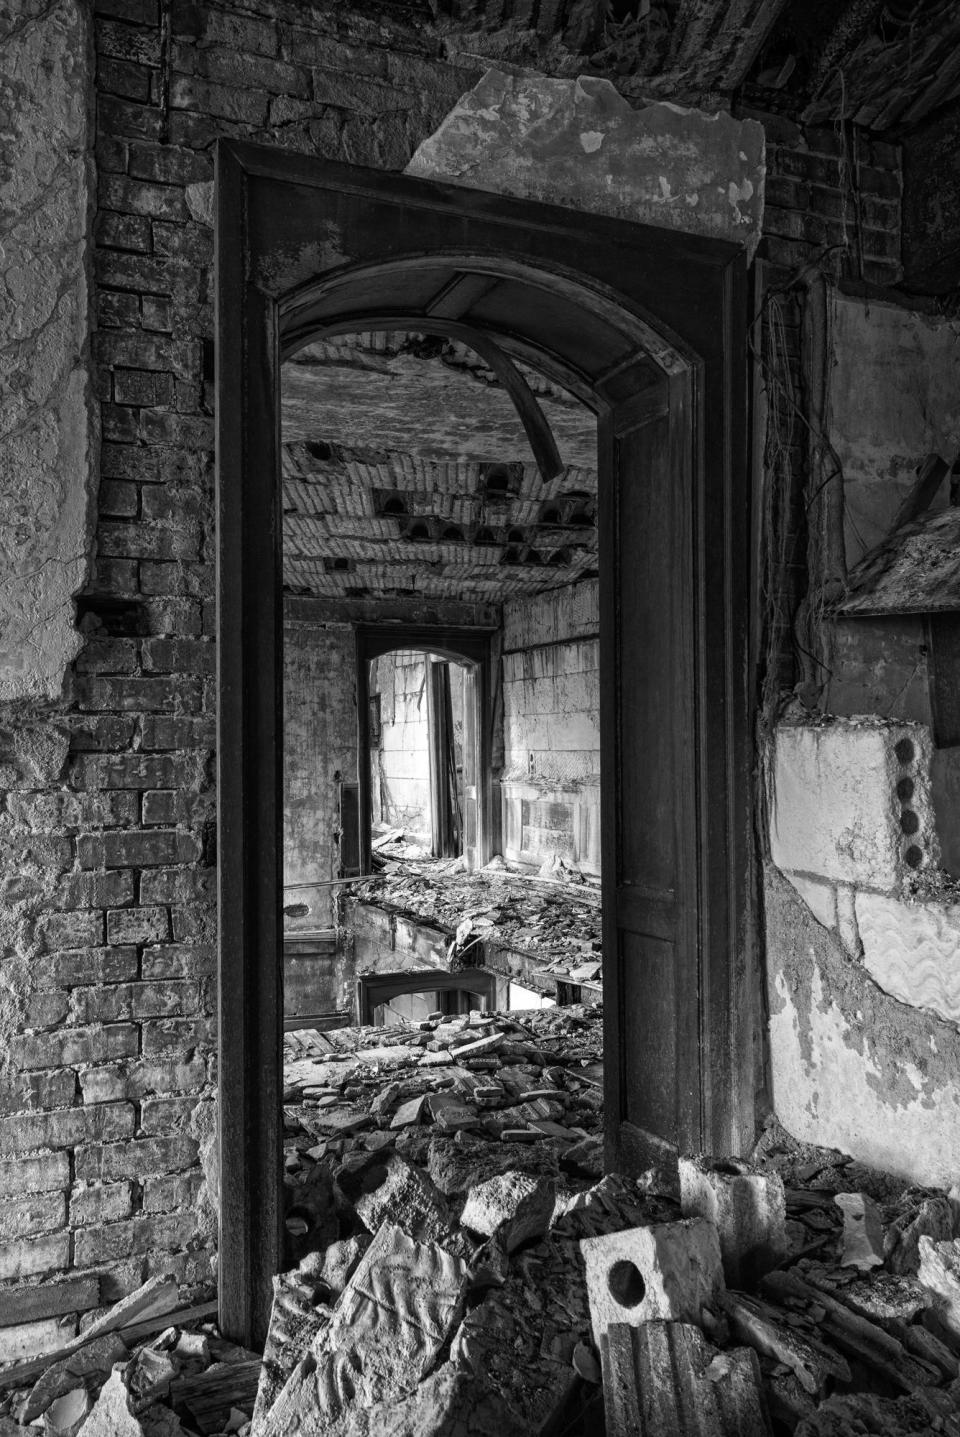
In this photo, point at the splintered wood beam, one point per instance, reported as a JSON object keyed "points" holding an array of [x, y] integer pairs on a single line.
{"points": [[748, 46]]}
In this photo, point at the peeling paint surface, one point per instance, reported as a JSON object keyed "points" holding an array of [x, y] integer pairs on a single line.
{"points": [[894, 399], [579, 143], [850, 1066], [46, 427]]}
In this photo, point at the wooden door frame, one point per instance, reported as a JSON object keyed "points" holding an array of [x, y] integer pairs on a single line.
{"points": [[462, 645], [293, 235]]}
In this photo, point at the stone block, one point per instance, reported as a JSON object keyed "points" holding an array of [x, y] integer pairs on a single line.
{"points": [[749, 1210], [852, 801], [407, 1198], [669, 1270], [515, 1204], [912, 950]]}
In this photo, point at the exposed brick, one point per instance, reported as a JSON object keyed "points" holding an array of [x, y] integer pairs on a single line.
{"points": [[94, 733], [66, 1127], [136, 272], [178, 733], [138, 771], [143, 386], [118, 423], [149, 352], [176, 579], [30, 1256], [34, 1092], [160, 427], [70, 930], [45, 1173], [190, 242], [108, 656], [50, 1299], [117, 308], [170, 807], [139, 695], [170, 1038], [157, 314], [121, 118], [70, 810], [137, 849], [99, 1202], [190, 656], [227, 102], [38, 1212], [119, 1081], [112, 1162], [227, 66], [137, 925], [168, 165], [119, 1240], [162, 1116], [43, 1010], [124, 78], [180, 960], [127, 42], [87, 965], [95, 890], [162, 617], [172, 1192], [118, 499], [111, 155], [94, 1044], [124, 461], [184, 886]]}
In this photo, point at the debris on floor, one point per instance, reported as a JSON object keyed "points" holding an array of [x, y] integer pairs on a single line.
{"points": [[554, 917], [458, 1266]]}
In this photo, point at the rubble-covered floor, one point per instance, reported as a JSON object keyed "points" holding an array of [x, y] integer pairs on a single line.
{"points": [[439, 1182], [553, 917]]}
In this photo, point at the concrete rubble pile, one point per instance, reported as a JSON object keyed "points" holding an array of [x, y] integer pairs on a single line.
{"points": [[556, 917], [459, 1267]]}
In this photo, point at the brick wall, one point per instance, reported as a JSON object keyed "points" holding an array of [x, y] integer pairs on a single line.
{"points": [[107, 1001]]}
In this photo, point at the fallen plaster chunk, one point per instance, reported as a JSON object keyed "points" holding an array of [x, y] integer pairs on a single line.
{"points": [[665, 165], [113, 1415], [748, 1207], [333, 1266], [912, 950], [662, 1379], [383, 1338], [89, 1365], [295, 1321], [65, 1416], [921, 1214], [408, 1199], [516, 1204], [819, 896], [836, 812], [450, 1403], [940, 1276], [862, 1231], [669, 1270]]}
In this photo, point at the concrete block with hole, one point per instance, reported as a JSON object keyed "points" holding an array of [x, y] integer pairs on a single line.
{"points": [[912, 950], [668, 1270], [748, 1207], [851, 801]]}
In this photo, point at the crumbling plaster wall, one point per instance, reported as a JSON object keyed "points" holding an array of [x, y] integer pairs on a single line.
{"points": [[894, 399], [551, 727], [319, 749], [48, 419]]}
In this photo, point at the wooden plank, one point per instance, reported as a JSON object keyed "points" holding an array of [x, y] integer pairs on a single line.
{"points": [[208, 1398]]}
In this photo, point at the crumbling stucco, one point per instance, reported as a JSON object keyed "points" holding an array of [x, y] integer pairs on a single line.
{"points": [[894, 398], [850, 1066], [579, 143], [47, 433]]}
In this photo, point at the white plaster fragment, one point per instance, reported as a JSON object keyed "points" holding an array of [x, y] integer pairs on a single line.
{"points": [[847, 919], [819, 896], [579, 143], [913, 950]]}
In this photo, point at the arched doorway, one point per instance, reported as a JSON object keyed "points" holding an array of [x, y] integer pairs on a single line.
{"points": [[648, 329]]}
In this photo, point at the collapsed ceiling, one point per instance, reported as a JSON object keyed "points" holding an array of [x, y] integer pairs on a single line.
{"points": [[407, 471]]}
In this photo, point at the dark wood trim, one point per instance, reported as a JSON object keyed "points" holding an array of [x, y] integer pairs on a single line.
{"points": [[249, 779], [305, 247]]}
